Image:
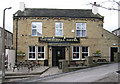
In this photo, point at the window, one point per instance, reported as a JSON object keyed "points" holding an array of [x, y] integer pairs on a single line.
{"points": [[81, 29], [76, 53], [36, 28], [58, 29], [41, 53], [32, 53], [85, 52]]}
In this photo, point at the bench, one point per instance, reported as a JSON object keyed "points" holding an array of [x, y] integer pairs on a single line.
{"points": [[72, 63], [102, 60]]}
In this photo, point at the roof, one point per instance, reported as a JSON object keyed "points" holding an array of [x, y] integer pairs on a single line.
{"points": [[116, 30], [110, 33], [6, 30], [72, 13]]}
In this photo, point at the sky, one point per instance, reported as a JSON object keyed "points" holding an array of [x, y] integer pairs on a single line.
{"points": [[110, 17]]}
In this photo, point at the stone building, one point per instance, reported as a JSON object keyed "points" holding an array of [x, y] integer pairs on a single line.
{"points": [[8, 41], [116, 32], [49, 35]]}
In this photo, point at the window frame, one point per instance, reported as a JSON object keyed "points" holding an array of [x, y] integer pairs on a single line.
{"points": [[59, 29], [40, 52], [36, 28], [75, 52], [31, 52], [84, 52], [81, 29]]}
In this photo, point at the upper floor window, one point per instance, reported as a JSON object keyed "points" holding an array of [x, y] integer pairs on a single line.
{"points": [[58, 29], [81, 29], [36, 28]]}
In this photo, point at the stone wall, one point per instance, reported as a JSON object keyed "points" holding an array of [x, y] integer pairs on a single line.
{"points": [[97, 38]]}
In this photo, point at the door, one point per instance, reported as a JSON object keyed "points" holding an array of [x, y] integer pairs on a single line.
{"points": [[113, 49], [57, 54]]}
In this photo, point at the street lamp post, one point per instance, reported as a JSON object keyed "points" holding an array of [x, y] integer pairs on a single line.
{"points": [[3, 45]]}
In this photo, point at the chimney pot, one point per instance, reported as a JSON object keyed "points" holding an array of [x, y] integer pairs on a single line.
{"points": [[21, 6], [94, 3]]}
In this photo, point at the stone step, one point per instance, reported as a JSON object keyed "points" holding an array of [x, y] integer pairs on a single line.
{"points": [[16, 77]]}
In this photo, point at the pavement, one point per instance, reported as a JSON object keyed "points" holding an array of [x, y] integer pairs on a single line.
{"points": [[42, 71], [51, 71], [103, 73], [23, 73]]}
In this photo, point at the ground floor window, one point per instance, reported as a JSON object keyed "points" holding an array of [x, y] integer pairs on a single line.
{"points": [[85, 52], [31, 53], [41, 53], [76, 53]]}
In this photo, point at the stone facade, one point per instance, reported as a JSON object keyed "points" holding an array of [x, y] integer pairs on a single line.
{"points": [[117, 32], [97, 38], [8, 41]]}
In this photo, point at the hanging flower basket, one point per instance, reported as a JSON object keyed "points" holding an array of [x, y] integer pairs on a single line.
{"points": [[20, 53], [96, 54]]}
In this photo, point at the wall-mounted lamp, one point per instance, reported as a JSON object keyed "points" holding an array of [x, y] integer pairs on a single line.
{"points": [[64, 37], [114, 44], [42, 37], [53, 37], [50, 49], [67, 48]]}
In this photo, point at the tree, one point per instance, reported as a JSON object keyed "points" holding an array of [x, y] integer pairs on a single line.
{"points": [[114, 5]]}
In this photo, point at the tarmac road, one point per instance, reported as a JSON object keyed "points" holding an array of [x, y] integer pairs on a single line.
{"points": [[85, 75]]}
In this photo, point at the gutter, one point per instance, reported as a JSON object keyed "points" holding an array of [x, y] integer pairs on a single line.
{"points": [[16, 39]]}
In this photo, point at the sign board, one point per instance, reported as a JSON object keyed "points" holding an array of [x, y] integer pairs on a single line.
{"points": [[59, 40]]}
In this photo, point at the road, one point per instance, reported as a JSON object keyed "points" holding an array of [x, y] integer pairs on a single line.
{"points": [[85, 75]]}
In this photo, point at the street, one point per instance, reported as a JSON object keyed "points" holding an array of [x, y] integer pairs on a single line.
{"points": [[85, 75]]}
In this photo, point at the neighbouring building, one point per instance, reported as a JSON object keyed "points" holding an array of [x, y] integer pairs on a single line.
{"points": [[8, 41], [49, 35], [116, 32]]}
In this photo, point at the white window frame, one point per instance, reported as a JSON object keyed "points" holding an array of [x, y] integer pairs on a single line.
{"points": [[40, 52], [84, 52], [32, 52], [58, 28], [75, 52], [81, 29], [37, 28]]}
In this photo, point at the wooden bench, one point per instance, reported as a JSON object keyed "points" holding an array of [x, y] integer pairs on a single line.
{"points": [[72, 63], [102, 60]]}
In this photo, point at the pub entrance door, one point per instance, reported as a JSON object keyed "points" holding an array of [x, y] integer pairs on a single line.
{"points": [[112, 51], [58, 52]]}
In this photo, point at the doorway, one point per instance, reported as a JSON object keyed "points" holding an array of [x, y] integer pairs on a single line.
{"points": [[57, 54], [112, 51]]}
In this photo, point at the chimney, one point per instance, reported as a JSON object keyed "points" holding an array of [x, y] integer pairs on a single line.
{"points": [[94, 8], [21, 6]]}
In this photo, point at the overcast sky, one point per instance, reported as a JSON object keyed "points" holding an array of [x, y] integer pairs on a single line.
{"points": [[110, 17]]}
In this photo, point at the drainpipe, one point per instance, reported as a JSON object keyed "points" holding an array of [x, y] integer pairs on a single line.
{"points": [[16, 39]]}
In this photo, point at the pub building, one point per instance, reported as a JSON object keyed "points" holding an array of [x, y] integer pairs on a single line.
{"points": [[49, 35]]}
